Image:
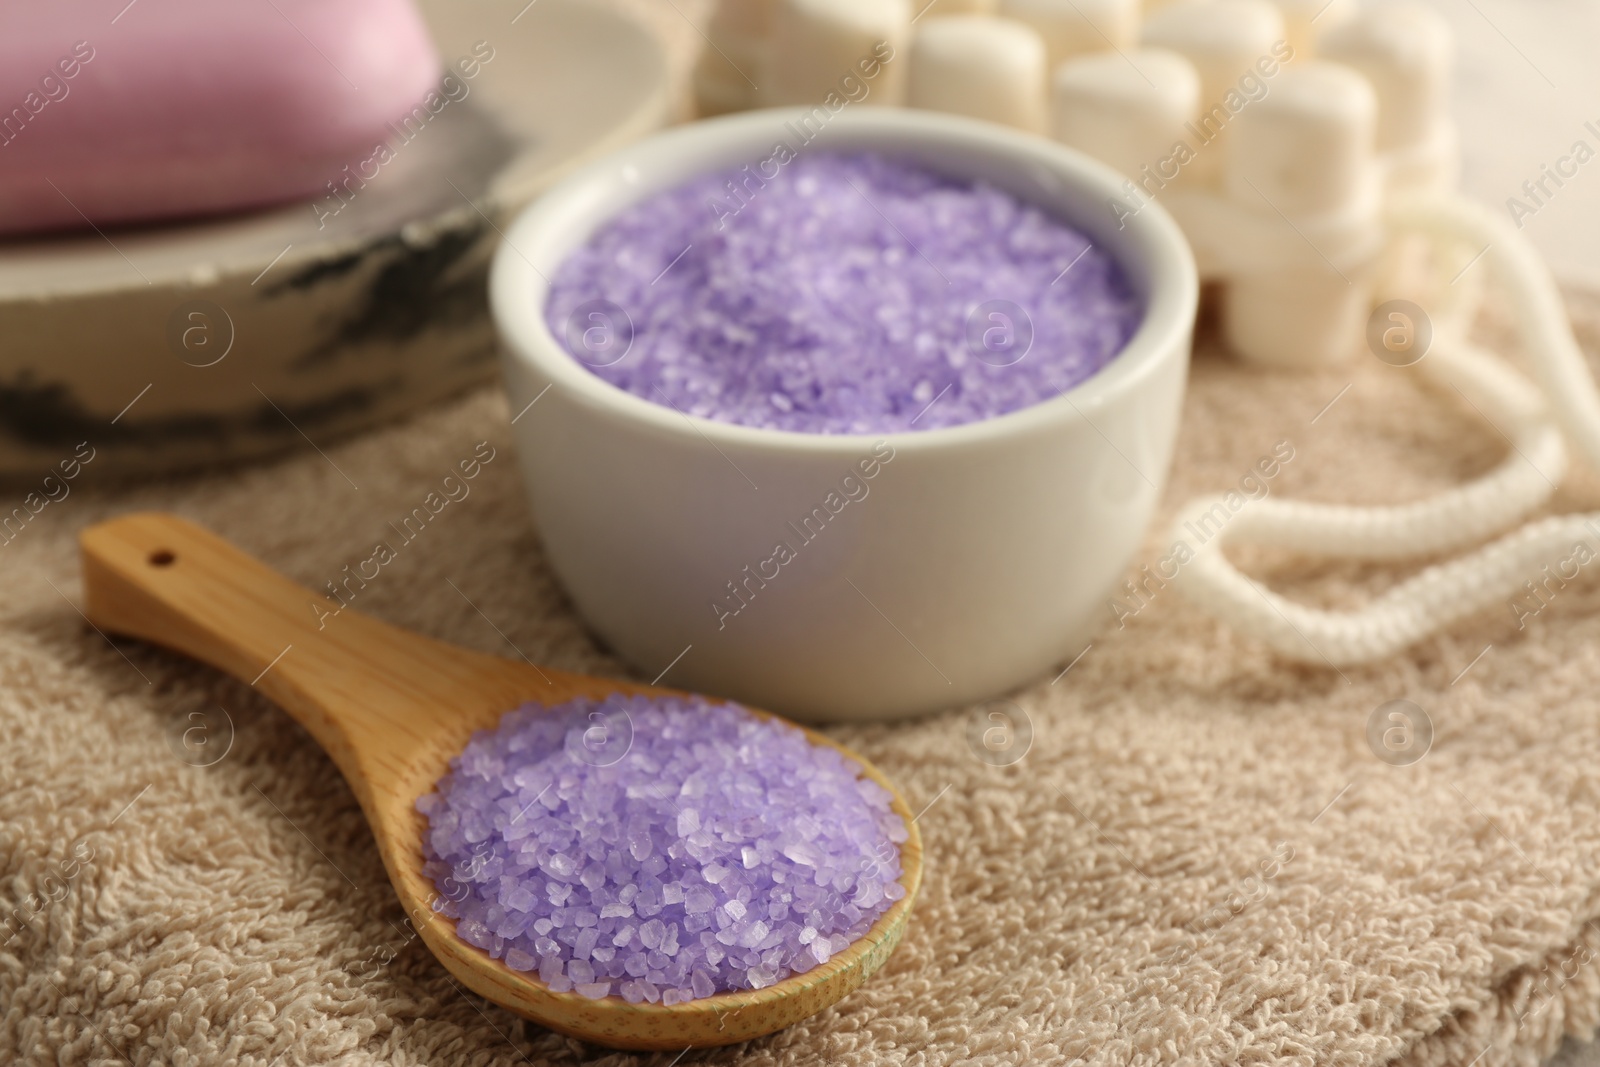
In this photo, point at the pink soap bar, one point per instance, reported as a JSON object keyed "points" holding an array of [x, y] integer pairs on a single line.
{"points": [[115, 112]]}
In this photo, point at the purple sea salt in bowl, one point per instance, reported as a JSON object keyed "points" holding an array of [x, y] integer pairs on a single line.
{"points": [[842, 574], [694, 849], [841, 294]]}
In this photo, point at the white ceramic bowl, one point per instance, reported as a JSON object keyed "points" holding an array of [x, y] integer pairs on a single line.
{"points": [[981, 555]]}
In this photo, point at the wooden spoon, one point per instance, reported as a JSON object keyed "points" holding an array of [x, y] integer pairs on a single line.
{"points": [[392, 708]]}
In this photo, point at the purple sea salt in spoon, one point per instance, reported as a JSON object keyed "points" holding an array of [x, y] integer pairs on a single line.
{"points": [[661, 848], [393, 709]]}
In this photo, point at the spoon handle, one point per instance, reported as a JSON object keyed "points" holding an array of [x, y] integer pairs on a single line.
{"points": [[165, 580]]}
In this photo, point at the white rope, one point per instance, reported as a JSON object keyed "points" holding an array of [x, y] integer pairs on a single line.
{"points": [[1515, 569]]}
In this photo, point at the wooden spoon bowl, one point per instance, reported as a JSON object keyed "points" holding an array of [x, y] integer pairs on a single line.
{"points": [[391, 708]]}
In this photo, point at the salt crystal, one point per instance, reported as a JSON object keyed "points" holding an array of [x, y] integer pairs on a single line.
{"points": [[754, 934], [593, 877], [519, 898], [473, 933], [698, 900], [803, 852], [550, 968]]}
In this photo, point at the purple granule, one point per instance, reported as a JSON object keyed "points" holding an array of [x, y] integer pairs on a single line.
{"points": [[846, 294], [658, 849]]}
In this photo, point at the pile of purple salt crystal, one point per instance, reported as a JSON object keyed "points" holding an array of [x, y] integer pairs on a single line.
{"points": [[658, 849], [834, 294]]}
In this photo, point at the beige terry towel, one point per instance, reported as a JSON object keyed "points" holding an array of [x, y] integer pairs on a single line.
{"points": [[1199, 860]]}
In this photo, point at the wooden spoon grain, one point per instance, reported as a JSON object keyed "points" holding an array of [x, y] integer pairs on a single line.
{"points": [[391, 708]]}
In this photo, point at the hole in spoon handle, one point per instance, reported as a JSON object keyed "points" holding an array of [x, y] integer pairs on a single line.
{"points": [[165, 580]]}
